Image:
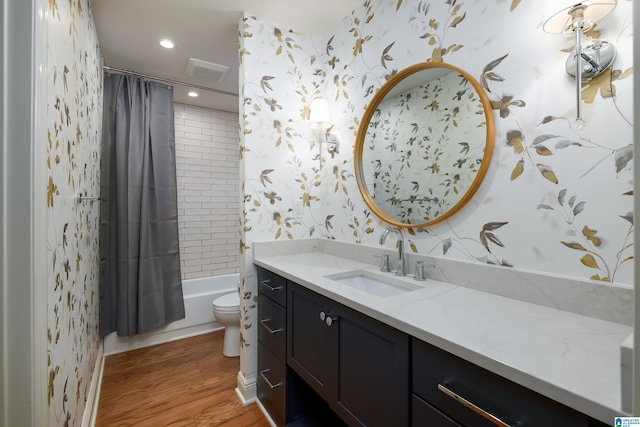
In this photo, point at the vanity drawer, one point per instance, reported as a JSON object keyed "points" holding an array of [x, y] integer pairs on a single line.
{"points": [[438, 377], [423, 414], [271, 385], [272, 329], [272, 286]]}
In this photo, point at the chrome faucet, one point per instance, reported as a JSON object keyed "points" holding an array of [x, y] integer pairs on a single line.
{"points": [[400, 271]]}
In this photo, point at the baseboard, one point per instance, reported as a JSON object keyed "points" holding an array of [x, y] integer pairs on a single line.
{"points": [[246, 389], [266, 413], [114, 344], [91, 407]]}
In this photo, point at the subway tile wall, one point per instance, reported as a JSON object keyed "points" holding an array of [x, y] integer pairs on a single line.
{"points": [[207, 144]]}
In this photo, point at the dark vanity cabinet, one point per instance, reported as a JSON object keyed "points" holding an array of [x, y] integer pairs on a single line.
{"points": [[321, 363], [358, 365]]}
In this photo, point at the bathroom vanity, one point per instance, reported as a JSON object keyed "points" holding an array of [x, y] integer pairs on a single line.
{"points": [[432, 354]]}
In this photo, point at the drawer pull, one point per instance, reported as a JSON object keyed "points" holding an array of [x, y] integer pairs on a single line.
{"points": [[264, 377], [495, 420], [268, 328], [266, 284]]}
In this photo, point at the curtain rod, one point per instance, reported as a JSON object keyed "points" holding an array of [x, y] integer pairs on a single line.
{"points": [[169, 81]]}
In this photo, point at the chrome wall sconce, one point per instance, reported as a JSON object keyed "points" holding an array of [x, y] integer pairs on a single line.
{"points": [[592, 60], [320, 122]]}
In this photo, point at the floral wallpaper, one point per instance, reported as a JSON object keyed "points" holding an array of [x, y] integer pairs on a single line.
{"points": [[73, 146], [556, 199], [424, 148]]}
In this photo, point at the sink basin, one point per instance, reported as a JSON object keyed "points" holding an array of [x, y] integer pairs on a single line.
{"points": [[372, 283]]}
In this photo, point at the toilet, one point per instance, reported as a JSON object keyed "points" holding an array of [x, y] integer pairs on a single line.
{"points": [[226, 310]]}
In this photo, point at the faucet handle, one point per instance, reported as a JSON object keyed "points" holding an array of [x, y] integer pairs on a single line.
{"points": [[385, 262], [420, 271]]}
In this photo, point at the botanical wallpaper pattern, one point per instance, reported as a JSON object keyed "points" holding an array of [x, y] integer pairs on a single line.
{"points": [[424, 148], [73, 146], [556, 199]]}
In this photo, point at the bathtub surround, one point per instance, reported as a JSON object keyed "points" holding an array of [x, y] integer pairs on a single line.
{"points": [[140, 284], [556, 200], [199, 295], [207, 181], [208, 185]]}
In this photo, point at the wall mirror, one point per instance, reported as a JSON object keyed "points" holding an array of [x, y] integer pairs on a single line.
{"points": [[424, 145]]}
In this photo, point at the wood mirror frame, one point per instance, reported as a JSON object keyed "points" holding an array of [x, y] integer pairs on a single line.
{"points": [[401, 78]]}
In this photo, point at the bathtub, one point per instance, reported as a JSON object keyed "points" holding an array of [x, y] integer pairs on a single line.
{"points": [[198, 298]]}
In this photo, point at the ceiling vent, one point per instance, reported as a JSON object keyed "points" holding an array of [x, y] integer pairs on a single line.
{"points": [[206, 70]]}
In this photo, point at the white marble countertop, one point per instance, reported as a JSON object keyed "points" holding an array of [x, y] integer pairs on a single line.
{"points": [[571, 358]]}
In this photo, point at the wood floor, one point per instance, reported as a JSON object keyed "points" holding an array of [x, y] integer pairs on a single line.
{"points": [[182, 383]]}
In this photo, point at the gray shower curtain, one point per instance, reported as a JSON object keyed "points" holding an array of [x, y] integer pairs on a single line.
{"points": [[140, 285]]}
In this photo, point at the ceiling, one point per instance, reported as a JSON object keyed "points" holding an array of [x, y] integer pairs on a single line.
{"points": [[129, 32]]}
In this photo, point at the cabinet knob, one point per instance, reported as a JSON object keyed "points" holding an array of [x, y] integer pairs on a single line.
{"points": [[327, 318]]}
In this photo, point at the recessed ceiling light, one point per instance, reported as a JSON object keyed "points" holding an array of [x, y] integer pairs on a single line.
{"points": [[166, 43], [193, 94]]}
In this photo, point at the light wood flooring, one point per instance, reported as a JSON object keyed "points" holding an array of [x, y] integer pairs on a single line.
{"points": [[182, 383]]}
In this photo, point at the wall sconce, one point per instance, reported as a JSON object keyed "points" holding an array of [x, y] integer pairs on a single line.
{"points": [[595, 58], [321, 124]]}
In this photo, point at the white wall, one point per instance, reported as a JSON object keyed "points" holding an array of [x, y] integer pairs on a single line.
{"points": [[208, 182], [23, 332]]}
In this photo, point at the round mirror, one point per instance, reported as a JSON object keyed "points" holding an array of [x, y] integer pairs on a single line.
{"points": [[424, 145]]}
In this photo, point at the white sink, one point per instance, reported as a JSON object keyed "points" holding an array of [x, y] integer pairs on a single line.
{"points": [[373, 283]]}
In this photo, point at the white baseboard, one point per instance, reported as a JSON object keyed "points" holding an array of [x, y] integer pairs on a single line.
{"points": [[246, 389], [114, 344], [91, 407], [266, 414], [250, 390]]}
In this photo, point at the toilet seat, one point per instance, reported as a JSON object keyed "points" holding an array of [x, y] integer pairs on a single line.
{"points": [[227, 303]]}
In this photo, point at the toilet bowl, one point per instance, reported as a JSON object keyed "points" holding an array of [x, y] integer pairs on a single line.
{"points": [[226, 310]]}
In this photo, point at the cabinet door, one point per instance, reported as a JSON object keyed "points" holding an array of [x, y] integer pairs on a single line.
{"points": [[357, 364], [310, 342], [372, 370]]}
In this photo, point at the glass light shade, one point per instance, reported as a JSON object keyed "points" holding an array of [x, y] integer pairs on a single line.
{"points": [[594, 10], [319, 117]]}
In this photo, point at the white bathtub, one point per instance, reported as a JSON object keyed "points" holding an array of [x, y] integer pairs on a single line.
{"points": [[198, 298]]}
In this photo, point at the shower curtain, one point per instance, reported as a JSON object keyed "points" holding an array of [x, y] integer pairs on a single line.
{"points": [[140, 285]]}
